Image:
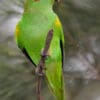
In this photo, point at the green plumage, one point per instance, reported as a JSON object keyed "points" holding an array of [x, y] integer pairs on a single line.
{"points": [[31, 31]]}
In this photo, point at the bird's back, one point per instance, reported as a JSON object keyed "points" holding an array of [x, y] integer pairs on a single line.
{"points": [[32, 30]]}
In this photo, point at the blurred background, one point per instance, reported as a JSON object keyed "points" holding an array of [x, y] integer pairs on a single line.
{"points": [[81, 24]]}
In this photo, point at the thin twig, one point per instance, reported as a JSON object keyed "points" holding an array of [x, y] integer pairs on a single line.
{"points": [[41, 65], [38, 88]]}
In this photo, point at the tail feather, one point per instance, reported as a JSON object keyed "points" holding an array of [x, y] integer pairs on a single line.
{"points": [[56, 83]]}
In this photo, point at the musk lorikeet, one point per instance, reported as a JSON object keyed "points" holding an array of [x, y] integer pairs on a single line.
{"points": [[37, 20]]}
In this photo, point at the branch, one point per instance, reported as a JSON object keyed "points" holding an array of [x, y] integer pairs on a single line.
{"points": [[41, 65]]}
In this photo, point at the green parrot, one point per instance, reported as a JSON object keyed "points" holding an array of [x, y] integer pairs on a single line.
{"points": [[37, 20]]}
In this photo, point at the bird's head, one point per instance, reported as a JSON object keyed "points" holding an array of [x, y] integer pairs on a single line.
{"points": [[40, 4], [48, 1]]}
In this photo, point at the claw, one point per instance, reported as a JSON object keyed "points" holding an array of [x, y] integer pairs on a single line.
{"points": [[40, 72], [47, 55]]}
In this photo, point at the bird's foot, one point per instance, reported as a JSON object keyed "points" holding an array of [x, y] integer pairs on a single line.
{"points": [[45, 55], [39, 71]]}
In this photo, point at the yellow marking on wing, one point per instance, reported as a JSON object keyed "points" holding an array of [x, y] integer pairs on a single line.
{"points": [[16, 31], [57, 22]]}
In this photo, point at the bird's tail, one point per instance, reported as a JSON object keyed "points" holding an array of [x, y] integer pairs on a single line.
{"points": [[56, 83]]}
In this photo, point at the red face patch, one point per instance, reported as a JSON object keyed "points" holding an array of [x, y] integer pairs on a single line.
{"points": [[36, 0]]}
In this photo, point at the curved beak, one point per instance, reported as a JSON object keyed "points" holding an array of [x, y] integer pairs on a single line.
{"points": [[58, 1]]}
